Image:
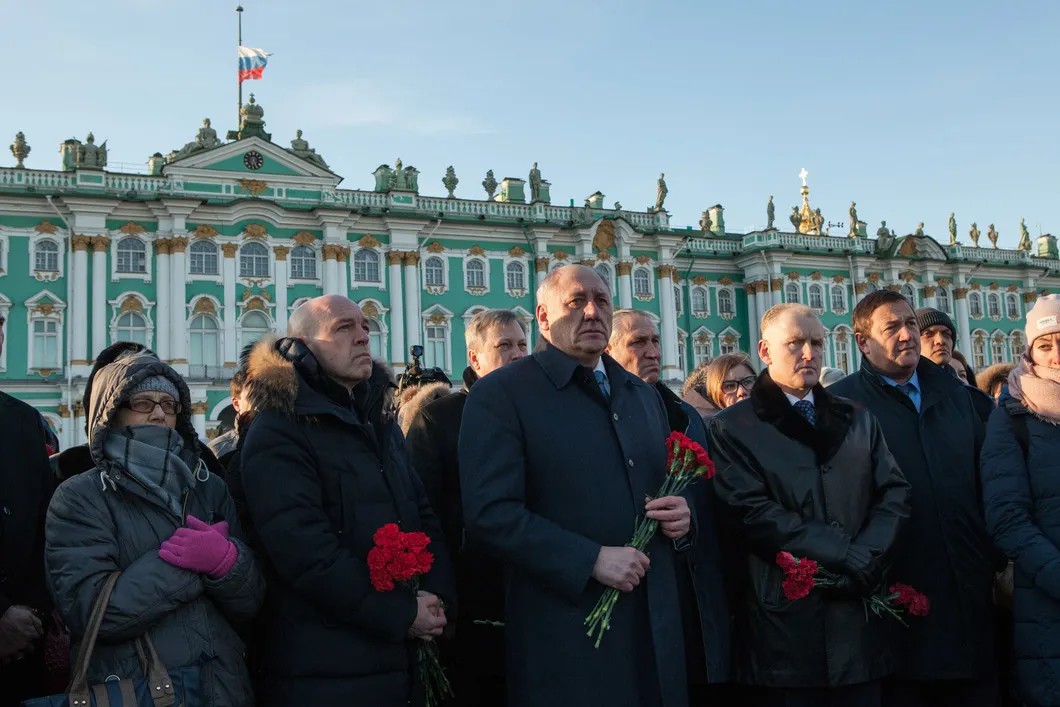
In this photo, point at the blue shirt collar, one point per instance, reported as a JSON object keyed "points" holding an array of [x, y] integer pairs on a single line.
{"points": [[914, 381]]}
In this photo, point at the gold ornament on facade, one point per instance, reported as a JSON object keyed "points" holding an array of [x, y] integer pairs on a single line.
{"points": [[603, 255], [699, 280], [81, 242], [841, 336], [255, 303], [435, 247], [929, 291], [178, 244], [541, 264], [761, 286], [860, 288], [476, 250], [749, 288], [945, 281], [44, 308], [729, 339], [229, 249], [560, 255], [815, 275], [304, 238], [204, 305], [1012, 288], [994, 287], [253, 187], [663, 271], [255, 231], [328, 251], [725, 280], [79, 408], [605, 236], [976, 286], [894, 288], [1030, 297], [623, 267], [838, 279], [132, 229], [643, 259], [873, 277], [100, 244], [342, 253], [412, 258], [908, 276], [777, 284], [702, 338], [587, 262], [45, 372], [204, 231], [960, 293], [436, 318], [213, 433], [63, 410], [45, 227], [131, 304], [395, 257], [162, 246], [370, 310], [198, 407], [281, 252], [369, 242], [793, 275]]}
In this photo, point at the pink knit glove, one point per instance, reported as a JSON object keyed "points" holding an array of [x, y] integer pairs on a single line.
{"points": [[200, 548]]}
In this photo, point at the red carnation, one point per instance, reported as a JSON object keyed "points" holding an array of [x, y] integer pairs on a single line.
{"points": [[387, 536], [916, 603]]}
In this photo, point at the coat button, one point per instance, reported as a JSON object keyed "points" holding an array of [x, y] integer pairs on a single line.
{"points": [[7, 511], [836, 524], [631, 462], [614, 416]]}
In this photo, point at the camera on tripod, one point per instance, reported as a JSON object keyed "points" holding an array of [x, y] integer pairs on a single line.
{"points": [[416, 375]]}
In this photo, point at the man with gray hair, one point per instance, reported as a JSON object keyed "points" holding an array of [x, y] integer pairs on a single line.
{"points": [[807, 473], [559, 453], [324, 467], [475, 656]]}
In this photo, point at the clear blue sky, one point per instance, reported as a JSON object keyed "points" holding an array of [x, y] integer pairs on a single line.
{"points": [[911, 108]]}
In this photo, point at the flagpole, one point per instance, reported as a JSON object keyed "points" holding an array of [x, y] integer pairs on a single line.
{"points": [[239, 14]]}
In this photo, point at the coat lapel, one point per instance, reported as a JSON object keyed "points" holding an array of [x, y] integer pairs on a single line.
{"points": [[834, 417]]}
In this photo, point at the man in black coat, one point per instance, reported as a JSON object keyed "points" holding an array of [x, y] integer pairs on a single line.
{"points": [[558, 454], [808, 473], [937, 335], [475, 656], [26, 486], [935, 433], [324, 466], [635, 345]]}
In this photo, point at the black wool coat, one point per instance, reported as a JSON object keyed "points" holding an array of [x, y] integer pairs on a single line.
{"points": [[825, 493], [945, 551], [320, 473], [551, 470]]}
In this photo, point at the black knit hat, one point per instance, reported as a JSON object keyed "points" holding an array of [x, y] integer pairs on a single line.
{"points": [[929, 317], [106, 357]]}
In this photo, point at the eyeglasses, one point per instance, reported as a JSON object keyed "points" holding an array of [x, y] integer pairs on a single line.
{"points": [[729, 387], [146, 405]]}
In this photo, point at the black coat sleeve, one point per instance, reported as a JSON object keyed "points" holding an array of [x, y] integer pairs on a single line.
{"points": [[426, 446], [890, 500]]}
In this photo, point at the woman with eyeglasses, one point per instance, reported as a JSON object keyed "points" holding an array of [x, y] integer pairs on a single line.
{"points": [[151, 510], [724, 381]]}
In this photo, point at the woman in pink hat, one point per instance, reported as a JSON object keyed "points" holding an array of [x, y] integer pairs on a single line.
{"points": [[1021, 493]]}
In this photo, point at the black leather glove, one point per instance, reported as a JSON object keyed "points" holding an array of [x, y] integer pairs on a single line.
{"points": [[864, 568]]}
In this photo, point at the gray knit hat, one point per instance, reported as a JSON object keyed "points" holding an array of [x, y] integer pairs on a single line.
{"points": [[159, 384], [929, 317]]}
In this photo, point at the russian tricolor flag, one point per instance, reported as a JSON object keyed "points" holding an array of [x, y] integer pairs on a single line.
{"points": [[251, 63]]}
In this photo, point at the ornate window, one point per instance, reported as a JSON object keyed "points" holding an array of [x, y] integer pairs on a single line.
{"points": [[253, 326], [475, 274], [839, 298], [942, 300], [909, 292], [702, 347], [604, 271], [375, 340], [515, 276], [303, 263], [132, 255], [993, 304], [997, 349], [253, 260], [725, 303], [679, 304], [841, 339], [1012, 304], [435, 350], [641, 283], [730, 341], [979, 349], [47, 334], [434, 271], [816, 297], [682, 352], [366, 265], [975, 306], [791, 293], [1016, 345], [202, 258], [132, 326], [699, 301], [46, 257], [205, 341]]}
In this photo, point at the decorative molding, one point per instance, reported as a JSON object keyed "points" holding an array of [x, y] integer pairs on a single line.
{"points": [[994, 287], [860, 288], [342, 253], [893, 288], [1030, 297], [395, 257], [162, 246], [623, 267], [64, 410], [605, 236], [749, 288], [960, 293], [777, 284], [204, 231], [369, 242], [603, 256], [370, 310], [725, 280], [838, 279], [1012, 288], [436, 318], [45, 227], [229, 249], [329, 251], [304, 238], [815, 275], [793, 275], [81, 243], [587, 262], [908, 276], [699, 280], [929, 291], [281, 252], [873, 277], [761, 286], [255, 302], [100, 244], [131, 304], [435, 247], [476, 250], [560, 255], [412, 258], [945, 281], [199, 407], [665, 271], [204, 305], [132, 229], [643, 259], [254, 230], [254, 187], [541, 264], [178, 244]]}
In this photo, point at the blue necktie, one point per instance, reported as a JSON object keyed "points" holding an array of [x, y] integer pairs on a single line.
{"points": [[907, 388], [601, 380], [805, 408]]}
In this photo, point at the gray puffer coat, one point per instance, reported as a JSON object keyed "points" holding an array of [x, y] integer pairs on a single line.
{"points": [[102, 520]]}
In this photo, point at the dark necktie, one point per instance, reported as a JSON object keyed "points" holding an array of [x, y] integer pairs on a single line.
{"points": [[601, 380], [805, 408]]}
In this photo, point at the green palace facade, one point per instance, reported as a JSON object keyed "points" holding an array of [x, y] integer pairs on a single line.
{"points": [[221, 240]]}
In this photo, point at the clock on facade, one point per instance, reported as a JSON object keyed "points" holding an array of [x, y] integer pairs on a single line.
{"points": [[253, 160]]}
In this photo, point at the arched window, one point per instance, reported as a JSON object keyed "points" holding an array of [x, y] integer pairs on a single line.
{"points": [[202, 258], [476, 274], [816, 293], [1013, 305], [46, 257], [641, 283], [515, 276], [725, 303], [255, 325], [254, 260], [679, 304], [975, 306], [997, 349], [434, 271], [839, 298], [993, 303], [979, 350], [375, 339], [132, 326], [682, 353], [605, 274], [942, 300], [205, 341], [132, 255], [366, 266], [699, 300], [909, 292], [303, 263], [791, 293]]}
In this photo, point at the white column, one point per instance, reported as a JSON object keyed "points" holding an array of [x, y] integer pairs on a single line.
{"points": [[412, 299], [929, 299], [178, 298], [280, 281], [964, 332], [163, 298], [777, 287], [342, 256], [540, 273], [198, 418], [670, 368], [99, 293], [397, 312], [625, 287], [331, 271], [752, 324], [78, 272], [763, 300], [77, 426], [231, 347]]}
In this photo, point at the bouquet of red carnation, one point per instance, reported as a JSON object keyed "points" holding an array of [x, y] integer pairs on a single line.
{"points": [[801, 575], [686, 461], [400, 559]]}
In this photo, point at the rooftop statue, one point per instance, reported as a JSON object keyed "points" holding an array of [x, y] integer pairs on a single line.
{"points": [[853, 220], [301, 148], [205, 139], [1025, 237], [20, 149], [490, 185], [795, 218], [535, 183], [770, 214], [919, 232], [952, 225], [884, 237], [992, 235], [705, 222], [660, 192], [449, 181], [973, 233], [818, 222], [91, 156]]}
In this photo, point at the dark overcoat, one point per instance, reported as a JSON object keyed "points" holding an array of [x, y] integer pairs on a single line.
{"points": [[1022, 497], [945, 550], [551, 471], [824, 492]]}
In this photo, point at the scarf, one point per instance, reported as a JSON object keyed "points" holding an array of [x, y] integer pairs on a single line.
{"points": [[1038, 388], [150, 455]]}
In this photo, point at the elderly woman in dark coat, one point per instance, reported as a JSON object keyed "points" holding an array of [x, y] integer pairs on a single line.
{"points": [[151, 510], [1021, 492]]}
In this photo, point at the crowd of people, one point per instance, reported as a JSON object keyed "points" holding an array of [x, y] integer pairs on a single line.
{"points": [[245, 572]]}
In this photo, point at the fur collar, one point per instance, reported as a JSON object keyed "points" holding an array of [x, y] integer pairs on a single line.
{"points": [[834, 417], [411, 407]]}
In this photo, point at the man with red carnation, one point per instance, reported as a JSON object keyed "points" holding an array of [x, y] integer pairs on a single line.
{"points": [[559, 453], [805, 472], [323, 469]]}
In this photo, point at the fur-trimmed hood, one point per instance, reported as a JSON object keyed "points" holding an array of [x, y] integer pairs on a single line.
{"points": [[419, 397]]}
